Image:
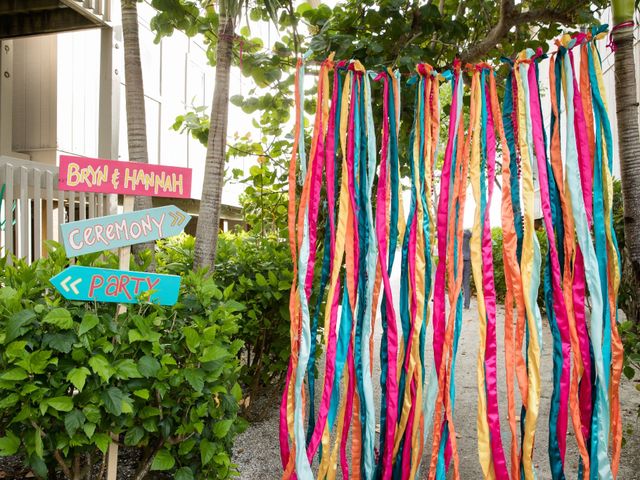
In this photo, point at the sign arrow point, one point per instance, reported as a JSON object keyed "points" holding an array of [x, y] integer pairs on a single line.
{"points": [[64, 282], [74, 284], [178, 218]]}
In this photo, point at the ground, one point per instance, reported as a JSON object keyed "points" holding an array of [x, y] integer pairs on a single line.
{"points": [[257, 450]]}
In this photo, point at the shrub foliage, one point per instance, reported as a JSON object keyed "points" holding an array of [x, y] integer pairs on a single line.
{"points": [[73, 374]]}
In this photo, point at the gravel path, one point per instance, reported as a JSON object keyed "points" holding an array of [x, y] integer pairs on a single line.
{"points": [[257, 454]]}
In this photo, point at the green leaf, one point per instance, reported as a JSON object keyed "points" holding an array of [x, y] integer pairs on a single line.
{"points": [[37, 361], [207, 450], [89, 429], [89, 321], [629, 372], [9, 401], [163, 461], [148, 366], [186, 446], [37, 443], [235, 346], [142, 393], [61, 404], [14, 375], [195, 377], [126, 369], [236, 391], [234, 306], [78, 377], [149, 411], [260, 280], [135, 336], [38, 466], [213, 353], [228, 290], [60, 317], [112, 399], [92, 412], [73, 421], [16, 349], [221, 428], [192, 337], [8, 294], [133, 436], [9, 445], [17, 322], [62, 342], [222, 458], [184, 473], [101, 366], [102, 441]]}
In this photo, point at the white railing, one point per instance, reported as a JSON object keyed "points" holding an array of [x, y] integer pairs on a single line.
{"points": [[96, 10], [33, 208]]}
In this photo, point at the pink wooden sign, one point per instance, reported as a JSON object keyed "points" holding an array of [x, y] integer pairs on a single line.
{"points": [[82, 174]]}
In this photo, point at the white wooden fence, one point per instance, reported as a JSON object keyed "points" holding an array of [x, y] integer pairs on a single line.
{"points": [[33, 208]]}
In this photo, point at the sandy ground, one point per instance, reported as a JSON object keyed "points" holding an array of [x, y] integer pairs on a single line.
{"points": [[257, 454]]}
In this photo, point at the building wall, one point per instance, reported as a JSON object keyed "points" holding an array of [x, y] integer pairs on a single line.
{"points": [[56, 94], [34, 84]]}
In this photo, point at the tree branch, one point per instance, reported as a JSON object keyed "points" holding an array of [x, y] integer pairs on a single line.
{"points": [[510, 16], [407, 38], [65, 469], [145, 466]]}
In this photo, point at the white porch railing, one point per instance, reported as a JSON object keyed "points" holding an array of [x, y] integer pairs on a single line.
{"points": [[96, 10], [33, 207]]}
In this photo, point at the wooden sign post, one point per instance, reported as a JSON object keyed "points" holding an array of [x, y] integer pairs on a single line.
{"points": [[129, 179], [124, 256]]}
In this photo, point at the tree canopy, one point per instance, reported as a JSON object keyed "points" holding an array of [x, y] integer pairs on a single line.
{"points": [[379, 33]]}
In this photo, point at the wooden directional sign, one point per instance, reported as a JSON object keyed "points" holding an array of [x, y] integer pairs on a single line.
{"points": [[83, 174], [118, 286], [115, 231]]}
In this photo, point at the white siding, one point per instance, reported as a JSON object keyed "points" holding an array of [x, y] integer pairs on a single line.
{"points": [[56, 95], [78, 92], [34, 94]]}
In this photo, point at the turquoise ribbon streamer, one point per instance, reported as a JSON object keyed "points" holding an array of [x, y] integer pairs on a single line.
{"points": [[326, 266], [368, 440]]}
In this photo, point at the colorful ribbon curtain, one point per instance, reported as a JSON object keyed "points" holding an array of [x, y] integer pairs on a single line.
{"points": [[347, 216]]}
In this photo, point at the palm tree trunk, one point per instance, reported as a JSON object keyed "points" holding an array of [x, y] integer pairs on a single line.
{"points": [[629, 151], [136, 118], [209, 215]]}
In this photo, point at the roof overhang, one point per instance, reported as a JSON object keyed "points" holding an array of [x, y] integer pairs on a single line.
{"points": [[20, 18]]}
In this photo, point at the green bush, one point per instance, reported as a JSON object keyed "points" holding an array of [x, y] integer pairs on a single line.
{"points": [[257, 272], [260, 273], [161, 379], [498, 264]]}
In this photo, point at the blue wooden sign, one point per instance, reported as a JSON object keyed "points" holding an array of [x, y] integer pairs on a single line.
{"points": [[115, 231], [118, 286]]}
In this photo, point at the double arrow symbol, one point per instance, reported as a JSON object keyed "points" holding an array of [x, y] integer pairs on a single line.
{"points": [[73, 285], [178, 218]]}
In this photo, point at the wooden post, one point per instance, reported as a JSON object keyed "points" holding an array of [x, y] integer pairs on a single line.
{"points": [[108, 148], [124, 255]]}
